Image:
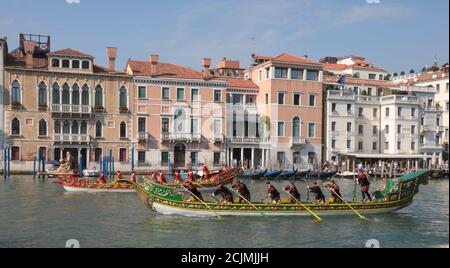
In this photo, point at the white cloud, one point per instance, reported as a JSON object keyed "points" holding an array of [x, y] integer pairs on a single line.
{"points": [[366, 12]]}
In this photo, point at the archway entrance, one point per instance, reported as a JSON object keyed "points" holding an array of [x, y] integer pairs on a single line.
{"points": [[179, 155]]}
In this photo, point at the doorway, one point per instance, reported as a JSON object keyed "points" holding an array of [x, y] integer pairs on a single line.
{"points": [[180, 155]]}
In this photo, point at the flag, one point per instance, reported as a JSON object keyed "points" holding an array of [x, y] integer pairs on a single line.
{"points": [[341, 80]]}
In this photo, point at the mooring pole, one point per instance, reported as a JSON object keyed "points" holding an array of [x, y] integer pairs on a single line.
{"points": [[132, 157], [9, 162], [4, 163], [110, 164], [34, 167]]}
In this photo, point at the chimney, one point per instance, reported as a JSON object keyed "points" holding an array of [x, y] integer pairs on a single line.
{"points": [[154, 60], [206, 62], [111, 53], [29, 47]]}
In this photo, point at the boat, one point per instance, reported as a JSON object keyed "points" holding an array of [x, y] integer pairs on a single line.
{"points": [[91, 173], [397, 194], [346, 175], [222, 178], [253, 175], [300, 174], [270, 175], [321, 175], [285, 175], [83, 185]]}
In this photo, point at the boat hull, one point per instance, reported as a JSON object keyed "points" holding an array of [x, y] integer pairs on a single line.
{"points": [[74, 189]]}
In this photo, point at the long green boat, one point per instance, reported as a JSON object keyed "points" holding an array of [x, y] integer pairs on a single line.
{"points": [[397, 194]]}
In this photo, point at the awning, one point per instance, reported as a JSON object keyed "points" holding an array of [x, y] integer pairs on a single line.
{"points": [[385, 156]]}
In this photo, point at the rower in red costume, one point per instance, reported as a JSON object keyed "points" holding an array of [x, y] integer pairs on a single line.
{"points": [[178, 178], [293, 191], [335, 191], [162, 178], [133, 177], [119, 175], [154, 177], [273, 193], [205, 172], [191, 176], [227, 196], [101, 178]]}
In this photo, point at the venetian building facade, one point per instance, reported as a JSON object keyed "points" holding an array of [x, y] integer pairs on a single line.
{"points": [[179, 115], [3, 52], [60, 101], [290, 104]]}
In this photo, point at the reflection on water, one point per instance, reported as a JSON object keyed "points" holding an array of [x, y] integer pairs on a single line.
{"points": [[41, 214]]}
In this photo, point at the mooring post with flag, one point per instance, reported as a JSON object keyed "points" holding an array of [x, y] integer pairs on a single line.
{"points": [[132, 157]]}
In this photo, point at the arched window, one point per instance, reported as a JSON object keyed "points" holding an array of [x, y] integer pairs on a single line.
{"points": [[65, 63], [98, 129], [98, 96], [66, 94], [56, 97], [180, 121], [55, 63], [66, 127], [296, 127], [15, 127], [75, 94], [42, 127], [15, 92], [75, 127], [123, 98], [85, 95], [76, 64], [57, 127], [123, 130], [85, 64], [42, 94], [83, 129]]}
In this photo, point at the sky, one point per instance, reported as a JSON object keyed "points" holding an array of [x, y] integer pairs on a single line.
{"points": [[398, 35]]}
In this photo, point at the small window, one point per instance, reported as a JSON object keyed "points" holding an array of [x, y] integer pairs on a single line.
{"points": [[216, 158], [413, 145], [280, 98], [42, 128], [374, 146], [123, 130], [361, 129], [280, 73], [98, 152], [165, 125], [375, 112], [15, 127], [399, 129], [55, 63], [312, 100], [333, 107], [386, 113], [217, 96], [65, 63], [387, 129], [122, 155], [399, 145], [375, 130], [98, 96], [360, 112], [15, 153], [333, 126], [297, 74], [372, 76], [280, 131], [194, 94], [360, 146], [311, 130], [386, 145], [296, 99], [266, 98], [98, 129], [312, 75], [76, 64], [164, 158], [333, 144], [296, 159], [281, 158], [142, 92], [349, 144], [180, 94], [141, 157], [413, 130], [85, 64], [123, 103], [349, 127], [413, 112], [141, 124], [399, 111]]}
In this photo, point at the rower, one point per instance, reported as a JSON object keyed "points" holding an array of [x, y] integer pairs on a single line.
{"points": [[335, 192], [273, 193], [178, 178], [292, 190], [205, 172], [195, 194], [320, 198], [242, 189], [365, 184], [162, 178], [154, 177], [227, 196], [133, 177], [119, 175], [191, 176], [101, 178]]}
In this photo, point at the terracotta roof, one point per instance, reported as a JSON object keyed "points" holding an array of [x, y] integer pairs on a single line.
{"points": [[431, 76], [334, 66], [17, 59], [289, 58], [229, 64], [70, 52], [103, 70], [144, 68], [354, 81], [358, 67], [241, 83]]}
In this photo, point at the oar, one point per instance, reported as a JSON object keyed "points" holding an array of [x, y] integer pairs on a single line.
{"points": [[296, 200], [236, 192], [201, 201], [357, 213]]}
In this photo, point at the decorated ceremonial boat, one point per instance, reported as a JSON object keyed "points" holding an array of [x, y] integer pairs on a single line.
{"points": [[221, 178], [397, 194], [74, 184]]}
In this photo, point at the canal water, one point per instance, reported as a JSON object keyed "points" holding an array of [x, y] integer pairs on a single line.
{"points": [[42, 214]]}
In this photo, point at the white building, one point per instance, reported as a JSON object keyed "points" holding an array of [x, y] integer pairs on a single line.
{"points": [[356, 67], [382, 125]]}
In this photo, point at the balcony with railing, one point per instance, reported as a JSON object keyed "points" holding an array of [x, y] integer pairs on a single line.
{"points": [[69, 108], [71, 138], [143, 136], [249, 140], [297, 141], [181, 137]]}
